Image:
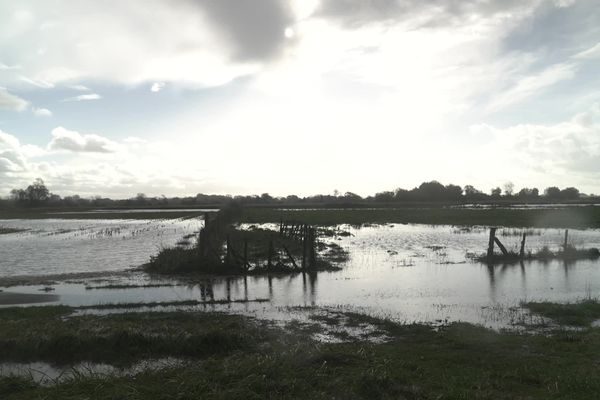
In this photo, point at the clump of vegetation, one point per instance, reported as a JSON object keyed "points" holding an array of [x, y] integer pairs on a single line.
{"points": [[222, 248], [580, 314]]}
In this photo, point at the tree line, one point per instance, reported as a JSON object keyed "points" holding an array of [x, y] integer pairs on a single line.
{"points": [[37, 194]]}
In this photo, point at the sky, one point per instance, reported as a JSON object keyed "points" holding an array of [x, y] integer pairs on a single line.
{"points": [[114, 98]]}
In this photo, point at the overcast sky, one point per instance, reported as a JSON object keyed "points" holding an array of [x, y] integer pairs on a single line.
{"points": [[248, 96]]}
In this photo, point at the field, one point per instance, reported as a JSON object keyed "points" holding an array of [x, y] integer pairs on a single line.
{"points": [[234, 357], [408, 268], [571, 217]]}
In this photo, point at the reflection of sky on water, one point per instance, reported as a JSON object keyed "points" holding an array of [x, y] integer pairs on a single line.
{"points": [[55, 246], [405, 272]]}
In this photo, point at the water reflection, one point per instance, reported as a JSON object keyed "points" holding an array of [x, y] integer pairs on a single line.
{"points": [[440, 282]]}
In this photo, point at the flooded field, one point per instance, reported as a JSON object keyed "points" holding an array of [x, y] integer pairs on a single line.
{"points": [[411, 273], [59, 246]]}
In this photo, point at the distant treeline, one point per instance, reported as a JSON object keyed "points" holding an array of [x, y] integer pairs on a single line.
{"points": [[37, 195]]}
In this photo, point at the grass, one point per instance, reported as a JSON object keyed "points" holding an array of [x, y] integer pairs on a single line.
{"points": [[129, 286], [6, 231], [580, 314], [43, 333], [233, 357], [573, 217], [179, 303]]}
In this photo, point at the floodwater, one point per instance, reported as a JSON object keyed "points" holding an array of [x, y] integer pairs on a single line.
{"points": [[410, 273], [59, 246]]}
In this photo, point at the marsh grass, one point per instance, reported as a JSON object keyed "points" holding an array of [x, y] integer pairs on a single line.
{"points": [[233, 357], [580, 314]]}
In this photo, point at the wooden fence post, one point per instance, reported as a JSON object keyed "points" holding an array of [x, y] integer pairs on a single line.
{"points": [[490, 251], [304, 247], [502, 248], [522, 251], [246, 254], [270, 254], [312, 255]]}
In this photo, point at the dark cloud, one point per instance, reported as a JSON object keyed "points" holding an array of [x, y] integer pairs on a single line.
{"points": [[558, 31], [255, 29]]}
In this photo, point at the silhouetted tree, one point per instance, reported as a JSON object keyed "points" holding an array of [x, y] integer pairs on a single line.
{"points": [[569, 193], [351, 196], [527, 193], [453, 192], [496, 192], [384, 196], [509, 188], [552, 192], [37, 192]]}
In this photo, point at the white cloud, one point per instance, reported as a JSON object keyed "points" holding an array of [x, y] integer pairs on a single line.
{"points": [[42, 112], [13, 155], [80, 88], [10, 101], [531, 85], [200, 43], [37, 82], [4, 67], [83, 97], [63, 139], [157, 86], [8, 141], [591, 53], [567, 151]]}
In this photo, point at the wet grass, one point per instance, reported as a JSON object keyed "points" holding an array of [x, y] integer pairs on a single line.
{"points": [[130, 286], [580, 314], [573, 217], [233, 357], [6, 231], [47, 334], [180, 303]]}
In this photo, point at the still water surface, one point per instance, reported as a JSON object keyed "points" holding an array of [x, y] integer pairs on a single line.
{"points": [[405, 272], [58, 246]]}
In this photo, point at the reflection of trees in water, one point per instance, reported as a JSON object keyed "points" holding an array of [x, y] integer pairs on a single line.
{"points": [[276, 284], [309, 288], [503, 268], [206, 291]]}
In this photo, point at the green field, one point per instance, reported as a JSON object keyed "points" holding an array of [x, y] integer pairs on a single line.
{"points": [[235, 357], [572, 217]]}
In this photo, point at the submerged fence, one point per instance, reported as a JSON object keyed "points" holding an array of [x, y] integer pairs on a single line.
{"points": [[293, 247]]}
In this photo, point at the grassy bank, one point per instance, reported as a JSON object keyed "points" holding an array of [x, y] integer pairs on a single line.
{"points": [[574, 217], [233, 357], [580, 314]]}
